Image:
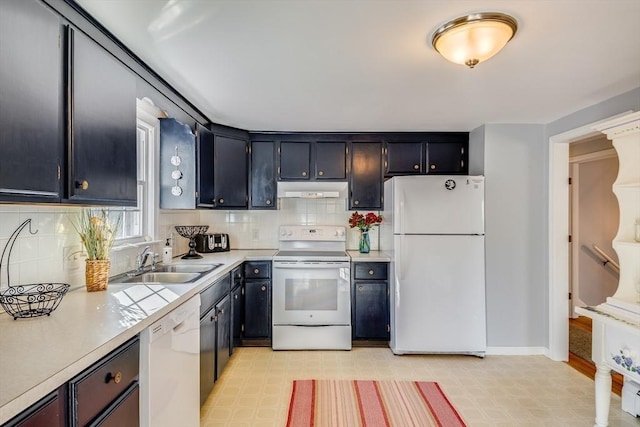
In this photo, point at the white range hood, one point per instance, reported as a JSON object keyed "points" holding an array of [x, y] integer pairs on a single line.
{"points": [[312, 189]]}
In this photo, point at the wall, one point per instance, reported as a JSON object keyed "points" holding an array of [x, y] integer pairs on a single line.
{"points": [[476, 151], [515, 235]]}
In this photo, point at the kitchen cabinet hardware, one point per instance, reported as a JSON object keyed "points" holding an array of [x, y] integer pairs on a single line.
{"points": [[268, 202], [416, 167], [256, 271], [320, 173], [360, 288], [432, 167], [371, 272], [114, 378], [221, 201], [356, 202], [263, 288]]}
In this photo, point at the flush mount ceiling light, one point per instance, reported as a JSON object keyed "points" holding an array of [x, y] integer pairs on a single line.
{"points": [[475, 38]]}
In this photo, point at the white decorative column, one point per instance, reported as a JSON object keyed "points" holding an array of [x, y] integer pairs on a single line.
{"points": [[616, 323]]}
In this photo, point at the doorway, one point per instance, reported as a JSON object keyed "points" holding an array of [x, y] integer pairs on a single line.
{"points": [[558, 246]]}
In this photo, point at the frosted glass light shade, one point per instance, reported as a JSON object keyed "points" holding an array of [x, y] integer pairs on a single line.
{"points": [[472, 39]]}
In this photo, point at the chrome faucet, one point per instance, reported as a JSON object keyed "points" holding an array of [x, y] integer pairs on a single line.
{"points": [[141, 259]]}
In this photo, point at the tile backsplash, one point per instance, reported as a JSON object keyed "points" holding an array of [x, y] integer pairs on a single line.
{"points": [[53, 253]]}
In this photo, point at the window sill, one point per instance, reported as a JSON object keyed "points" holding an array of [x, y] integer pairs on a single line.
{"points": [[124, 246]]}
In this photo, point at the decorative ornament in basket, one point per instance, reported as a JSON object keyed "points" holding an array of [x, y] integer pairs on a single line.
{"points": [[97, 233], [33, 300], [190, 232]]}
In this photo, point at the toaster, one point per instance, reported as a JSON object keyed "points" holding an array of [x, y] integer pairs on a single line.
{"points": [[212, 242]]}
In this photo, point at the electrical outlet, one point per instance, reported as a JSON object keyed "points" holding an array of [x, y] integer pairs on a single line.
{"points": [[72, 258], [255, 234]]}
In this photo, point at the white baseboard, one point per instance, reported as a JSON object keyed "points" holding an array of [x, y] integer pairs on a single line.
{"points": [[517, 351]]}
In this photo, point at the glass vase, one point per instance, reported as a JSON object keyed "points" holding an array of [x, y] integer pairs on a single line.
{"points": [[365, 243]]}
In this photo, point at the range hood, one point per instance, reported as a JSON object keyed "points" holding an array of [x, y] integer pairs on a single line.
{"points": [[312, 189]]}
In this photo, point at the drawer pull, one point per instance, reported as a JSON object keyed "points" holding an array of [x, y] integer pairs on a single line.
{"points": [[371, 272], [356, 202], [263, 288], [115, 378], [433, 167], [82, 184], [321, 173], [256, 271], [416, 167], [221, 201], [268, 202], [304, 174], [361, 288]]}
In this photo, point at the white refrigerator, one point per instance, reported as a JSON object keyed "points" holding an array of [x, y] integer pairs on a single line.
{"points": [[433, 230]]}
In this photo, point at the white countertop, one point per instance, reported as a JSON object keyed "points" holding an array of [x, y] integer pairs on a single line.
{"points": [[373, 256], [38, 355]]}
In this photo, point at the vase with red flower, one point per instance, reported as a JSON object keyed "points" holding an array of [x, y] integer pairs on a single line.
{"points": [[364, 224]]}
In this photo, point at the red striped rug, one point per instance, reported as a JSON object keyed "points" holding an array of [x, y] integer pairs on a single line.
{"points": [[329, 403]]}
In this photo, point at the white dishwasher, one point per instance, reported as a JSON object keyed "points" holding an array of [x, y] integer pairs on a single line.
{"points": [[170, 369]]}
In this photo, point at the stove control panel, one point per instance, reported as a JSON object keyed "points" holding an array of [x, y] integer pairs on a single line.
{"points": [[331, 233]]}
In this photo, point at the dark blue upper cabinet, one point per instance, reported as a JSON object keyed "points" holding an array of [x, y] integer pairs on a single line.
{"points": [[330, 160], [404, 158], [177, 165], [230, 173], [295, 160], [263, 175], [31, 104], [365, 184], [447, 158], [205, 153], [102, 122]]}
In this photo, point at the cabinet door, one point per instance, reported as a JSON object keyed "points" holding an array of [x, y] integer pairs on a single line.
{"points": [[330, 160], [237, 314], [177, 165], [366, 176], [102, 141], [204, 164], [257, 309], [30, 102], [371, 310], [48, 412], [207, 354], [230, 172], [295, 160], [263, 176], [125, 411], [223, 334], [404, 158], [447, 158]]}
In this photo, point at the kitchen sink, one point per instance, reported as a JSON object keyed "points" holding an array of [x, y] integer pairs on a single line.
{"points": [[163, 277], [187, 268], [168, 274]]}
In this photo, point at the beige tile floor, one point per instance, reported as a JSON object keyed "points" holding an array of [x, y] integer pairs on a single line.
{"points": [[255, 388]]}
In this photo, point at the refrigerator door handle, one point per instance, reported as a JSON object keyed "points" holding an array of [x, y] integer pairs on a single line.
{"points": [[401, 211]]}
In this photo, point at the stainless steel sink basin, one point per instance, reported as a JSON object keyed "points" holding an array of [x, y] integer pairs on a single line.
{"points": [[187, 268], [163, 277], [168, 274]]}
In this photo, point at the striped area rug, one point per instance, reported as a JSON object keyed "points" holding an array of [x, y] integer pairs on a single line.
{"points": [[330, 403]]}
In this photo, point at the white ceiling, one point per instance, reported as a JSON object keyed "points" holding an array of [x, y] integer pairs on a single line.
{"points": [[368, 65]]}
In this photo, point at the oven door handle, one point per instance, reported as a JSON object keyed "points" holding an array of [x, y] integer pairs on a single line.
{"points": [[307, 266]]}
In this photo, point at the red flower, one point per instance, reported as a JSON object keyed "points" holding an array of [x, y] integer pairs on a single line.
{"points": [[364, 222]]}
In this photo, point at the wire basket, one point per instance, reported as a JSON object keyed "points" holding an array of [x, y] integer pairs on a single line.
{"points": [[33, 300]]}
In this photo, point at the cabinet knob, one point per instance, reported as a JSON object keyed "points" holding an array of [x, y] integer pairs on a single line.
{"points": [[416, 167], [268, 202], [432, 167], [263, 288], [221, 311], [115, 378], [371, 272], [221, 200], [356, 202], [256, 271], [360, 288], [82, 184], [321, 173], [304, 174]]}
